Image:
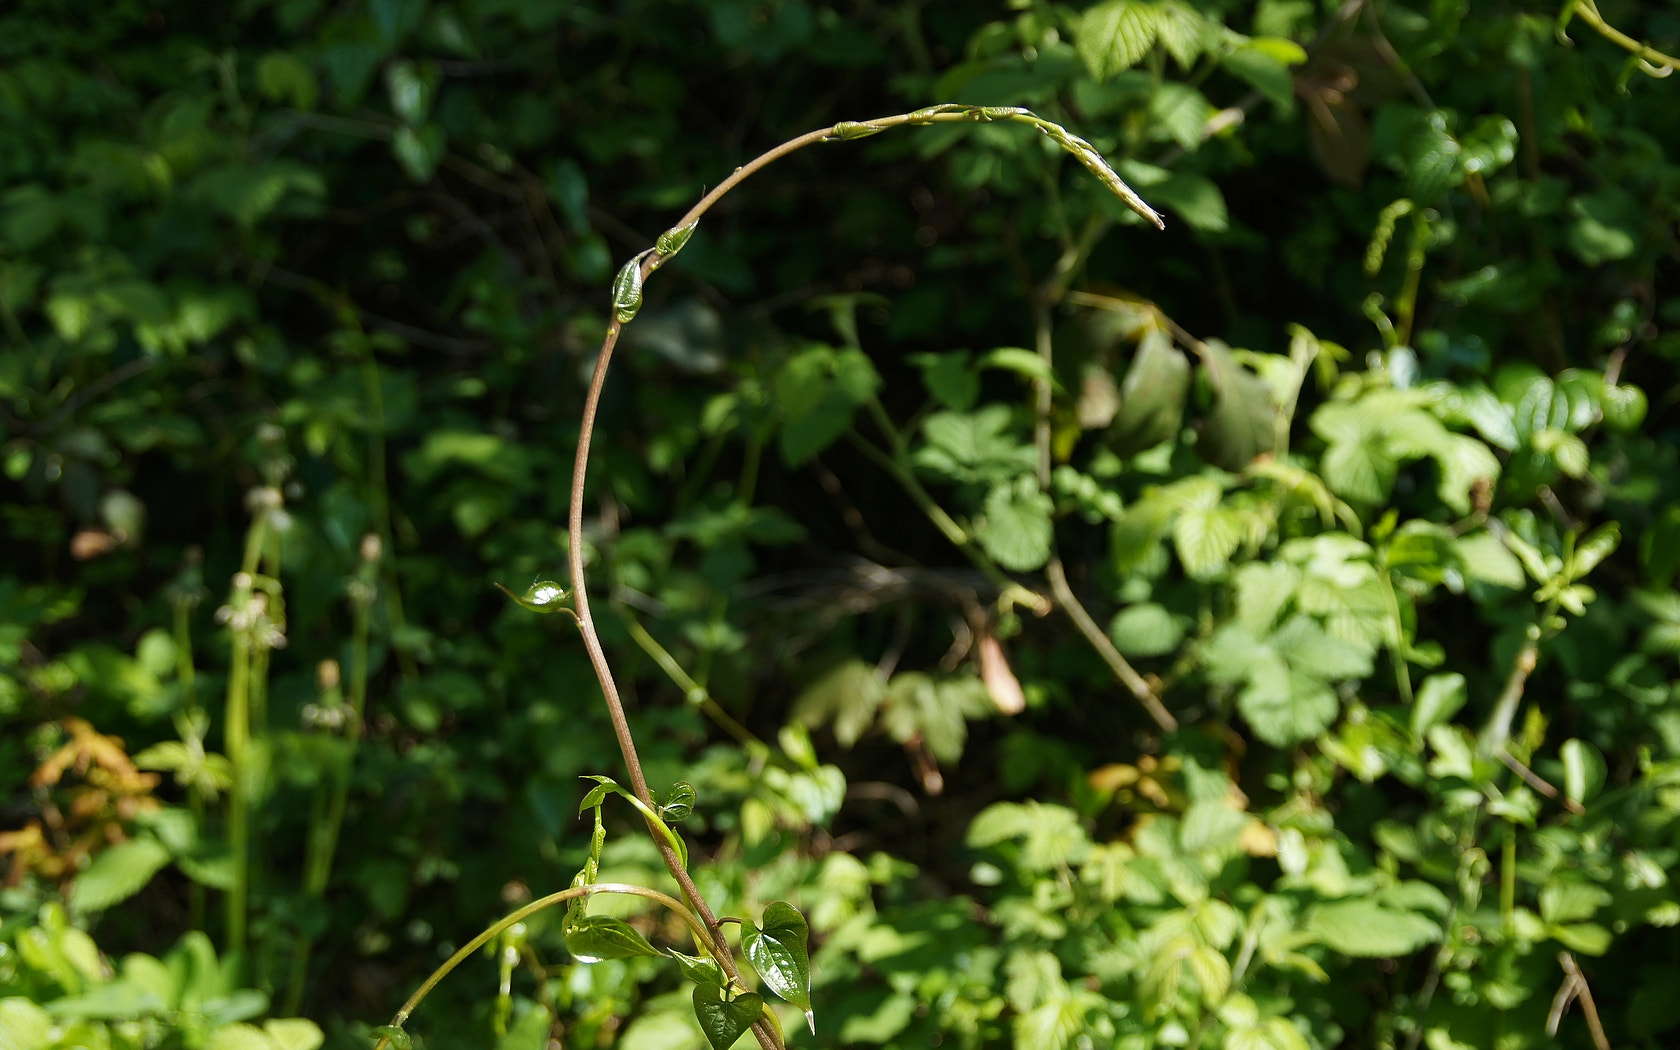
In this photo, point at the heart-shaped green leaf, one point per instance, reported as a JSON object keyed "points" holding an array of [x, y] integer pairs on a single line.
{"points": [[723, 1020], [777, 951], [599, 937]]}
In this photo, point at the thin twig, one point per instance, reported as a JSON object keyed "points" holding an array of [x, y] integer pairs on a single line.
{"points": [[627, 300], [1655, 63], [1505, 710], [1532, 779], [1105, 648], [1575, 987]]}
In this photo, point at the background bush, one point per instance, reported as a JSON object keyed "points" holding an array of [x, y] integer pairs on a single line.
{"points": [[1365, 469]]}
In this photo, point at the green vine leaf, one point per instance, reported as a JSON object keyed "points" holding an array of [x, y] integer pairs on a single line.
{"points": [[1017, 529], [627, 290], [700, 969], [599, 937], [724, 1020], [543, 596], [678, 802], [672, 240], [777, 951]]}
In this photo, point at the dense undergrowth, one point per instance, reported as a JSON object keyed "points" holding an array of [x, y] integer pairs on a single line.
{"points": [[1257, 634]]}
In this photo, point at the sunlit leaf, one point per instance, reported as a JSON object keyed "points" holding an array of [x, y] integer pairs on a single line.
{"points": [[597, 937], [777, 950]]}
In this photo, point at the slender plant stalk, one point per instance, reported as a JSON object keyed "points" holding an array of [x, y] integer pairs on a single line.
{"points": [[466, 950], [693, 691], [328, 807], [1654, 62], [1135, 683], [627, 297], [186, 674], [236, 731]]}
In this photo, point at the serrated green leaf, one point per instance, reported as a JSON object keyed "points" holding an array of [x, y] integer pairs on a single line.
{"points": [[1183, 31], [1113, 36], [725, 1020], [1206, 538], [118, 873], [1016, 529], [1571, 901], [1370, 929], [974, 447], [1285, 707], [817, 392], [597, 937], [847, 696], [777, 950]]}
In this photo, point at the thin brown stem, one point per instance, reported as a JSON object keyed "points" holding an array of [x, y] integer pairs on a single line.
{"points": [[627, 299], [1534, 780], [609, 688], [1123, 670]]}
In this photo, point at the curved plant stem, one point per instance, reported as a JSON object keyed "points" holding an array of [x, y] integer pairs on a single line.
{"points": [[402, 1015], [692, 690], [627, 300], [1136, 683], [713, 940], [1656, 62]]}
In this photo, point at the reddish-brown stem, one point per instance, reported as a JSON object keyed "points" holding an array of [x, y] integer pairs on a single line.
{"points": [[651, 260], [609, 688]]}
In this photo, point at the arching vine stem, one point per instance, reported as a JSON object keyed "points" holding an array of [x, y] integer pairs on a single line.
{"points": [[627, 300]]}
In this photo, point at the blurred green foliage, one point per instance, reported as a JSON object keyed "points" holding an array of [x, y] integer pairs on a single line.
{"points": [[1365, 471]]}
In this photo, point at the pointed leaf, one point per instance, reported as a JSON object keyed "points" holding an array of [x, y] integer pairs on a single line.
{"points": [[1112, 37], [543, 596], [1240, 426], [699, 969], [1583, 769], [1017, 529], [678, 803], [598, 937], [777, 951], [1151, 397], [724, 1020], [118, 874]]}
